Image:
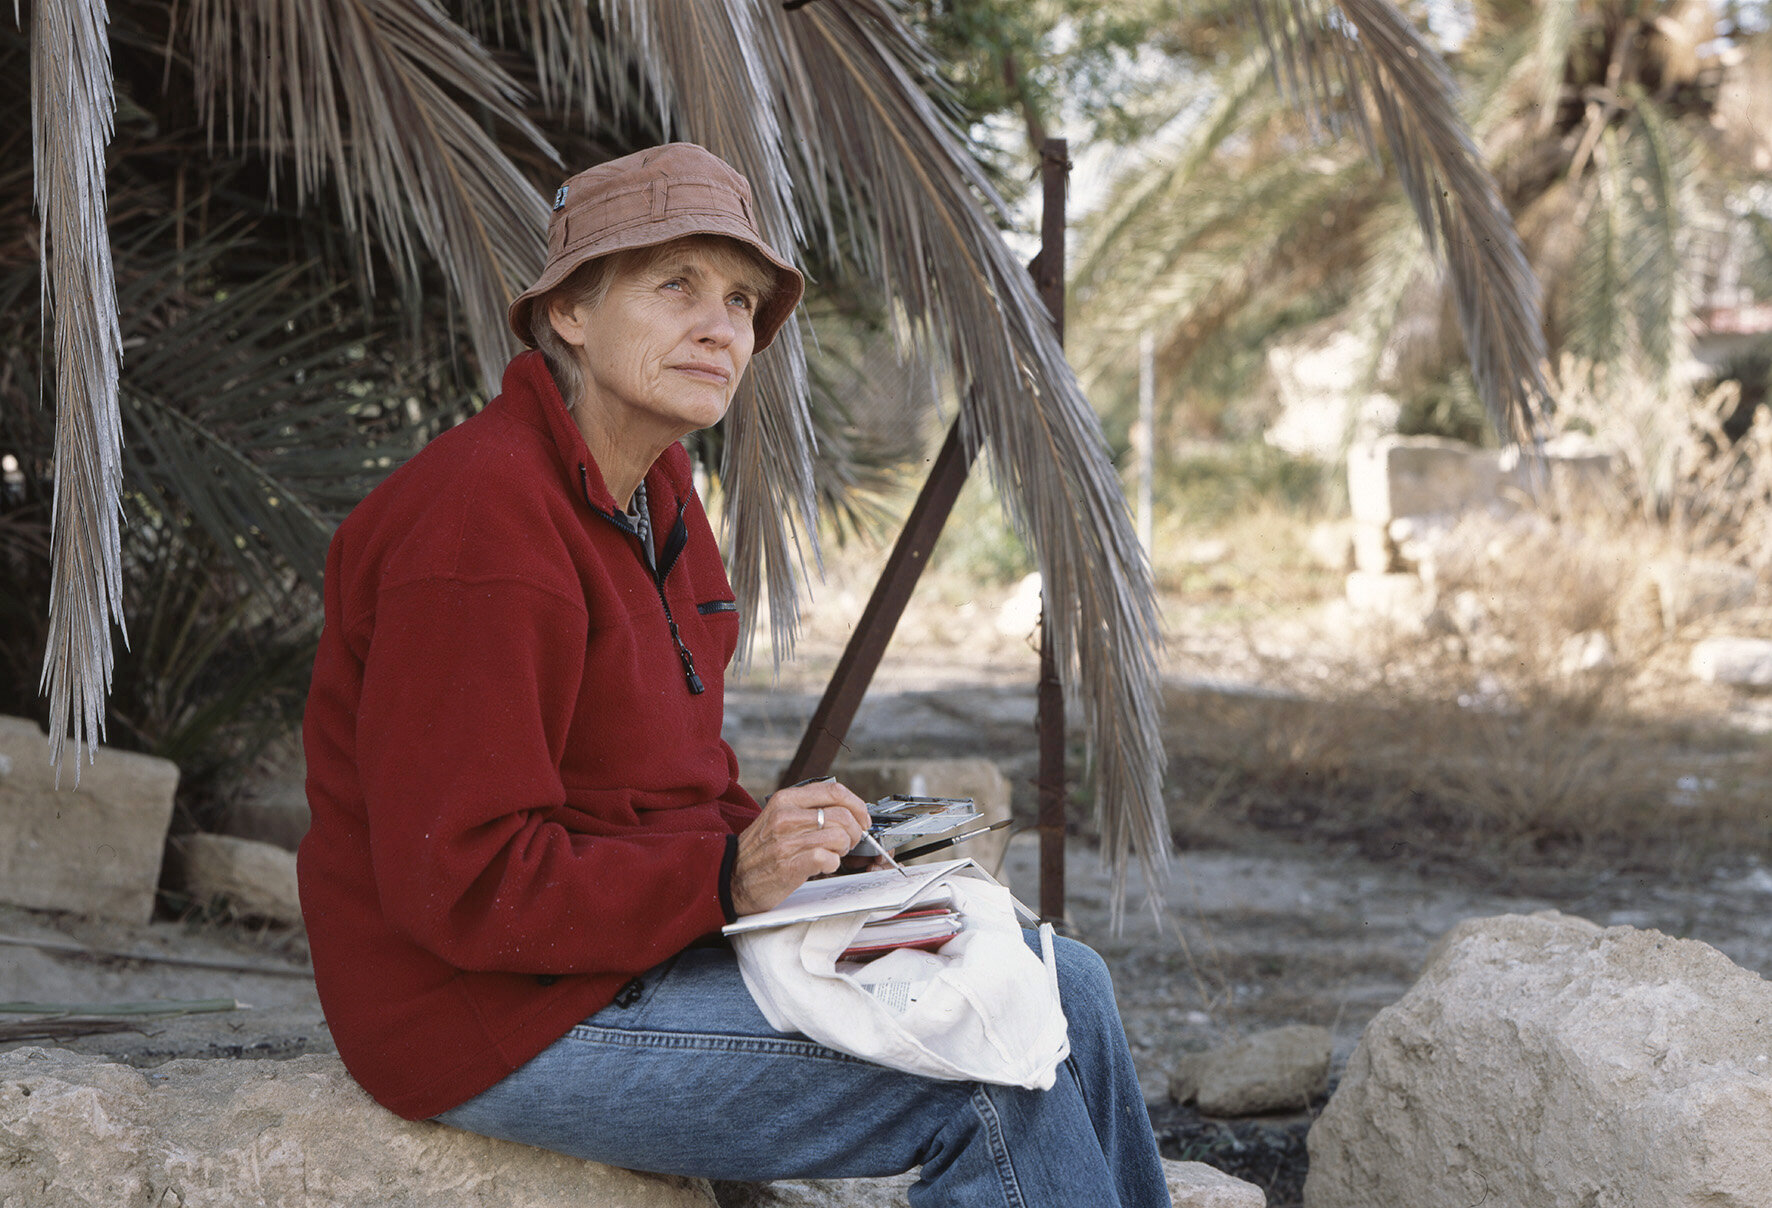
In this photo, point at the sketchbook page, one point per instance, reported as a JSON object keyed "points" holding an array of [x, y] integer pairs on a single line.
{"points": [[853, 893]]}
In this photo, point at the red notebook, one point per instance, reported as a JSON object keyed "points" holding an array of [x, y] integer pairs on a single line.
{"points": [[921, 927]]}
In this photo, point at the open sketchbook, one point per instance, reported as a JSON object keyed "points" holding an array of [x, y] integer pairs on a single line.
{"points": [[887, 889]]}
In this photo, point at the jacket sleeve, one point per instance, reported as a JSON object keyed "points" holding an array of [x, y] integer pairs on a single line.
{"points": [[468, 688], [737, 806]]}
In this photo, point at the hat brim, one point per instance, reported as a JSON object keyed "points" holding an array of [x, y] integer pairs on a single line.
{"points": [[789, 288]]}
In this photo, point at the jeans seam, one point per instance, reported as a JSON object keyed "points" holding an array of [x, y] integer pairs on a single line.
{"points": [[638, 1038], [986, 1110], [1076, 1073]]}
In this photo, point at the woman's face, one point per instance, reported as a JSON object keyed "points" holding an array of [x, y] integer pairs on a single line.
{"points": [[665, 349]]}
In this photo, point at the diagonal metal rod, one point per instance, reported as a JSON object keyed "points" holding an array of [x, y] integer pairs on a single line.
{"points": [[861, 657]]}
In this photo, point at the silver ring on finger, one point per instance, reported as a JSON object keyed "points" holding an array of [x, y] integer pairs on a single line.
{"points": [[821, 817]]}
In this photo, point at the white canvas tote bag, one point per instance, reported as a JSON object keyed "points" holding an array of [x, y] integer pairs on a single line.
{"points": [[983, 1008]]}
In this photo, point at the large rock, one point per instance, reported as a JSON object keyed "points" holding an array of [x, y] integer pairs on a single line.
{"points": [[91, 846], [250, 879], [81, 1132], [1277, 1070], [1191, 1185], [78, 1131], [1542, 1061]]}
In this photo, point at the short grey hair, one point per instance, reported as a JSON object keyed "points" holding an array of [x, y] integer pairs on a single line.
{"points": [[588, 284]]}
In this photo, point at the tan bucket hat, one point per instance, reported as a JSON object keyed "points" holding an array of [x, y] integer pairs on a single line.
{"points": [[652, 197]]}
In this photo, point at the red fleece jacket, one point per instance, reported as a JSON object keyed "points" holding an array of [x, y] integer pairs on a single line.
{"points": [[519, 801]]}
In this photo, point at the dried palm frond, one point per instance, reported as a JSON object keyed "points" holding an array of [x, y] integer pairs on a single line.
{"points": [[966, 296], [19, 1031], [71, 122], [392, 101], [1354, 56]]}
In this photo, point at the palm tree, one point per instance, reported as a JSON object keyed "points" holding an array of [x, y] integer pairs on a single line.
{"points": [[396, 153], [1609, 127]]}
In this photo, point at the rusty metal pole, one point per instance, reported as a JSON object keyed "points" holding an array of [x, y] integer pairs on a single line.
{"points": [[867, 645], [1049, 711]]}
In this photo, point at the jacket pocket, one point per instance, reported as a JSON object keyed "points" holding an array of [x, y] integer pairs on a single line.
{"points": [[710, 607]]}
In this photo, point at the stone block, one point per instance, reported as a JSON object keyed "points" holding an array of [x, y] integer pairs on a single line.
{"points": [[1419, 476], [250, 879], [1690, 590], [1573, 470], [979, 779], [1741, 662], [1542, 1060], [1373, 552], [90, 847], [1330, 545], [1197, 1185], [1400, 600], [1281, 1069], [82, 1132]]}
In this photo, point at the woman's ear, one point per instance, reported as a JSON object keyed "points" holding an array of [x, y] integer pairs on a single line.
{"points": [[568, 320]]}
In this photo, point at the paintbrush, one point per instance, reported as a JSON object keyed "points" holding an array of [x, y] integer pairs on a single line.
{"points": [[926, 848]]}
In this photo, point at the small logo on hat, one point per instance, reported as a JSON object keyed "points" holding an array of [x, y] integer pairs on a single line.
{"points": [[560, 198]]}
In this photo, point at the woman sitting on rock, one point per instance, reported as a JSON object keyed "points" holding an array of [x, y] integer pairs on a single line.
{"points": [[527, 831]]}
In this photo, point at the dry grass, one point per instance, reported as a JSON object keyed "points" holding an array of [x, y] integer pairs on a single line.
{"points": [[1545, 719], [1493, 793]]}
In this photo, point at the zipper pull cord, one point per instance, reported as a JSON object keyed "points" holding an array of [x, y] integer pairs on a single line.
{"points": [[696, 687]]}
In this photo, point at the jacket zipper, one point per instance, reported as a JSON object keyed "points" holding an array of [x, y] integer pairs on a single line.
{"points": [[662, 563]]}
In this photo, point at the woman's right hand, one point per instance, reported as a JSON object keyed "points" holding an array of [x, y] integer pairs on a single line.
{"points": [[786, 844]]}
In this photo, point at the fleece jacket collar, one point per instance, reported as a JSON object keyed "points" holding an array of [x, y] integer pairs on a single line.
{"points": [[531, 396]]}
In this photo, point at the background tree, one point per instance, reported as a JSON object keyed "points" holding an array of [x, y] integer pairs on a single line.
{"points": [[1622, 138]]}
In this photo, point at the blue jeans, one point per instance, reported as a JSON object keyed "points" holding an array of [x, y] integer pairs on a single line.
{"points": [[690, 1079]]}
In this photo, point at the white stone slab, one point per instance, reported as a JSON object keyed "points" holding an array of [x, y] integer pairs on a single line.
{"points": [[92, 846]]}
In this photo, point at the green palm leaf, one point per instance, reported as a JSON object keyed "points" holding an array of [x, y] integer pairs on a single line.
{"points": [[1656, 282]]}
